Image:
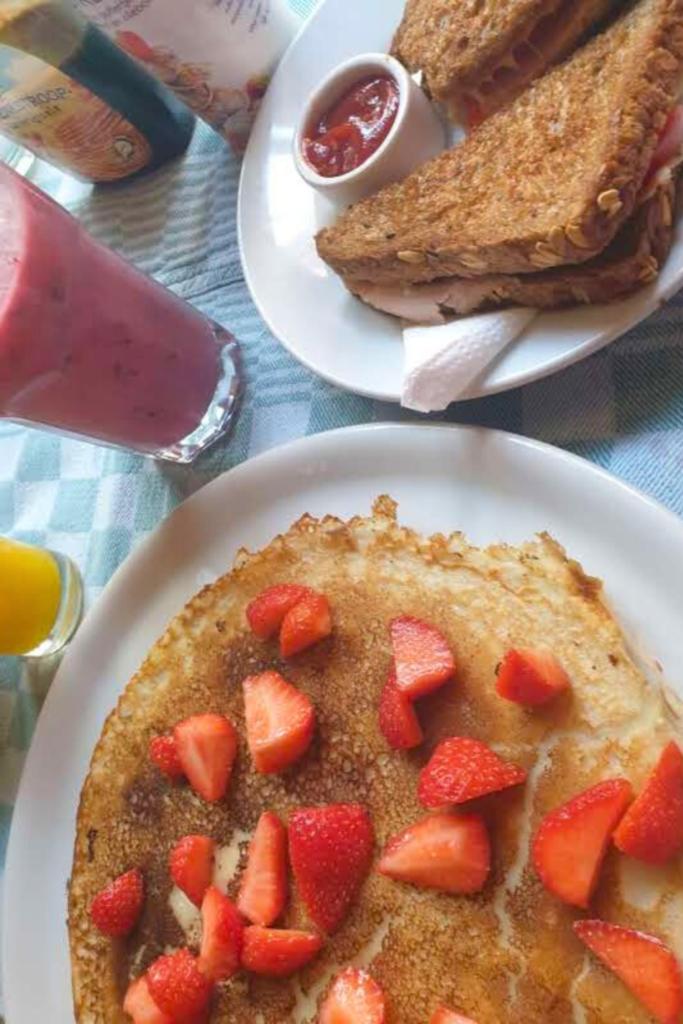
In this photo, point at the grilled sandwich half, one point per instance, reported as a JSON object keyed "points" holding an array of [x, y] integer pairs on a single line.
{"points": [[476, 55], [564, 196]]}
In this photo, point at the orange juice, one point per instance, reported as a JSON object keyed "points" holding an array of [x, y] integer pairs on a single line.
{"points": [[30, 596]]}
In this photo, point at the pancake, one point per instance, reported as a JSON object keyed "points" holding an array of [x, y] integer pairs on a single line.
{"points": [[507, 954]]}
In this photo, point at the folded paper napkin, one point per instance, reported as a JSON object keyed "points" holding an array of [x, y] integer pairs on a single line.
{"points": [[442, 362]]}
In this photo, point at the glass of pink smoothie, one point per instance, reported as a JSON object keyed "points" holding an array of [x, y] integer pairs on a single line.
{"points": [[89, 346]]}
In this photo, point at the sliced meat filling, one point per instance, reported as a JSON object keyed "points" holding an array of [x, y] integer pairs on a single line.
{"points": [[667, 157]]}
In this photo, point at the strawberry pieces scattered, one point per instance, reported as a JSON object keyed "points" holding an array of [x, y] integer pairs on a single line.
{"points": [[220, 954], [280, 720], [442, 1015], [462, 769], [191, 865], [207, 746], [177, 985], [116, 908], [442, 851], [301, 614], [652, 828], [266, 612], [263, 890], [309, 621], [571, 842], [644, 964], [164, 754], [531, 677], [330, 849], [139, 1005], [354, 998], [422, 657], [277, 952], [397, 717]]}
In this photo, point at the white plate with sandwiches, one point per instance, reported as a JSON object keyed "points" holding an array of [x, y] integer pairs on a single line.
{"points": [[592, 223], [494, 486]]}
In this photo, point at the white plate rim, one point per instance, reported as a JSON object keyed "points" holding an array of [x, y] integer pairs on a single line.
{"points": [[653, 297], [637, 501]]}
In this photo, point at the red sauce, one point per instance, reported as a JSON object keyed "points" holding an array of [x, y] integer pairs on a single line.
{"points": [[354, 128]]}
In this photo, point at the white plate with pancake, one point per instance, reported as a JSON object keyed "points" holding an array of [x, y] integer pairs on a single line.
{"points": [[490, 485], [305, 304]]}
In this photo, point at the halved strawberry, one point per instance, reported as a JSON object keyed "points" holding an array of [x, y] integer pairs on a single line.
{"points": [[139, 1005], [309, 621], [190, 863], [177, 985], [116, 908], [266, 612], [277, 952], [652, 828], [280, 721], [164, 753], [644, 964], [354, 998], [330, 849], [397, 717], [220, 953], [442, 1015], [530, 676], [571, 842], [263, 890], [462, 769], [422, 658], [207, 745], [442, 851]]}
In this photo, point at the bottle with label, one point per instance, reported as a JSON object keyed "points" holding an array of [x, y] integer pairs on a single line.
{"points": [[73, 98], [218, 60]]}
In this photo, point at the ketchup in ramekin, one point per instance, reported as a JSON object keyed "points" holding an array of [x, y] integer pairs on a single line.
{"points": [[346, 135]]}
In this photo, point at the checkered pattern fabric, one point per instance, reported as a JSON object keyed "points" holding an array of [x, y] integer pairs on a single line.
{"points": [[622, 408]]}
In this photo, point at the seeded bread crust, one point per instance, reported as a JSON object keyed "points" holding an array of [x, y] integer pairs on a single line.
{"points": [[445, 39], [459, 45], [548, 181], [630, 262]]}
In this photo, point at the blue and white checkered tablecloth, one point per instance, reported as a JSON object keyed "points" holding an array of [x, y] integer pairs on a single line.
{"points": [[622, 408]]}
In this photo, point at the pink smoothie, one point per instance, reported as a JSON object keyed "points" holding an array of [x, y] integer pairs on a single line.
{"points": [[87, 343]]}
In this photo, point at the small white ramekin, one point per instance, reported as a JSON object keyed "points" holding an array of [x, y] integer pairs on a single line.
{"points": [[416, 134]]}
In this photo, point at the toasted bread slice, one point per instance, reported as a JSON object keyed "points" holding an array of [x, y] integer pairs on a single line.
{"points": [[478, 57], [632, 260], [545, 182], [503, 956]]}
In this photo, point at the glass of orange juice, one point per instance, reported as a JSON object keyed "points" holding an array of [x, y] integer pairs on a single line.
{"points": [[41, 599]]}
